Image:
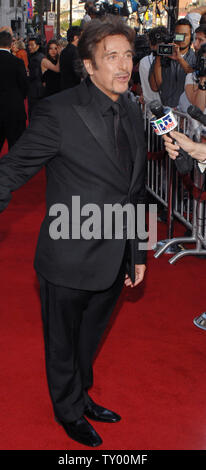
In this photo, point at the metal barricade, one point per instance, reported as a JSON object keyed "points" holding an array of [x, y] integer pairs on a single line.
{"points": [[168, 187]]}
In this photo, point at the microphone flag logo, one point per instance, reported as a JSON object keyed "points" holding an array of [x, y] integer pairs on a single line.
{"points": [[164, 124]]}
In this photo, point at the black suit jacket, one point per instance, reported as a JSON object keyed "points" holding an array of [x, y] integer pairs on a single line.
{"points": [[69, 63], [13, 87], [68, 134], [36, 89]]}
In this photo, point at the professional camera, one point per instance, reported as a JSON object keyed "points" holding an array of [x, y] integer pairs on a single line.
{"points": [[165, 49], [200, 68], [161, 37], [105, 8]]}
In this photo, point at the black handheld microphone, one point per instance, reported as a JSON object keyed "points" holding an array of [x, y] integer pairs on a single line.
{"points": [[167, 122], [157, 109], [197, 114]]}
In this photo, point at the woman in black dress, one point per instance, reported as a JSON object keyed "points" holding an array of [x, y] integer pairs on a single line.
{"points": [[50, 69]]}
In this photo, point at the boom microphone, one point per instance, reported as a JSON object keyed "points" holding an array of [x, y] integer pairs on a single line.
{"points": [[197, 114], [164, 123]]}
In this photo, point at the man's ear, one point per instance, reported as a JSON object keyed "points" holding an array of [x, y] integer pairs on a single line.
{"points": [[88, 66]]}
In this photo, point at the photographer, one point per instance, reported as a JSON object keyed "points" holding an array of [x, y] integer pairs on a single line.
{"points": [[157, 36], [168, 73], [195, 92], [195, 82]]}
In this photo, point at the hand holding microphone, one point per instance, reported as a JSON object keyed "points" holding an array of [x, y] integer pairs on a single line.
{"points": [[196, 150], [164, 123], [171, 144]]}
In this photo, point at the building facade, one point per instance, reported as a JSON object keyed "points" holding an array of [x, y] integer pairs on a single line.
{"points": [[14, 13]]}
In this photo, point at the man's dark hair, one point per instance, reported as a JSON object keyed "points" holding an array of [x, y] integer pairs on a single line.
{"points": [[35, 39], [92, 11], [201, 29], [99, 29], [158, 34], [5, 39], [184, 22], [73, 31], [88, 5]]}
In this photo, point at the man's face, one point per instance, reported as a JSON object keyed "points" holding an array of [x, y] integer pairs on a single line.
{"points": [[186, 30], [200, 39], [113, 57], [33, 47]]}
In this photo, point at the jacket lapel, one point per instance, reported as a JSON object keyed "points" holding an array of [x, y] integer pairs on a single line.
{"points": [[134, 135], [96, 125]]}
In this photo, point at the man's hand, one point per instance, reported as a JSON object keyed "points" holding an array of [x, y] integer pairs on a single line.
{"points": [[176, 52], [139, 275], [178, 57]]}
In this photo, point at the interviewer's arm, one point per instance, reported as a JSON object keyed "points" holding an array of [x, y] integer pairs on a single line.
{"points": [[196, 96], [196, 150]]}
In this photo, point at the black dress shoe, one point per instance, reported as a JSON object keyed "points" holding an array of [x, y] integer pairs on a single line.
{"points": [[98, 413], [82, 431]]}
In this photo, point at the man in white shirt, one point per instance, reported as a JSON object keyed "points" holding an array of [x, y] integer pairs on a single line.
{"points": [[156, 36], [169, 78], [194, 92]]}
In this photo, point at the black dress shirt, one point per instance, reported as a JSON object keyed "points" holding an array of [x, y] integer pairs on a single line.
{"points": [[121, 142]]}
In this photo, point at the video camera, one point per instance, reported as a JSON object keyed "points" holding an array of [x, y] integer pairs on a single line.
{"points": [[161, 37], [165, 49], [200, 67], [105, 8]]}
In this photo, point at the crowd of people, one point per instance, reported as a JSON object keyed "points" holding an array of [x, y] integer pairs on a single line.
{"points": [[172, 76], [33, 71]]}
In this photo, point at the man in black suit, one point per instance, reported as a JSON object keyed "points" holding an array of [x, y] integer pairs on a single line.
{"points": [[36, 89], [13, 90], [69, 61], [91, 140]]}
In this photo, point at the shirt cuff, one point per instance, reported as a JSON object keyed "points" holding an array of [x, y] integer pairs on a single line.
{"points": [[202, 166]]}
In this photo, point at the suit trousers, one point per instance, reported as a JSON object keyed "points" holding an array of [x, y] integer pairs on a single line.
{"points": [[74, 321], [11, 130]]}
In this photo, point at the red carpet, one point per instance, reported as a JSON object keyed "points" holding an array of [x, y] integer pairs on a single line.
{"points": [[151, 368]]}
